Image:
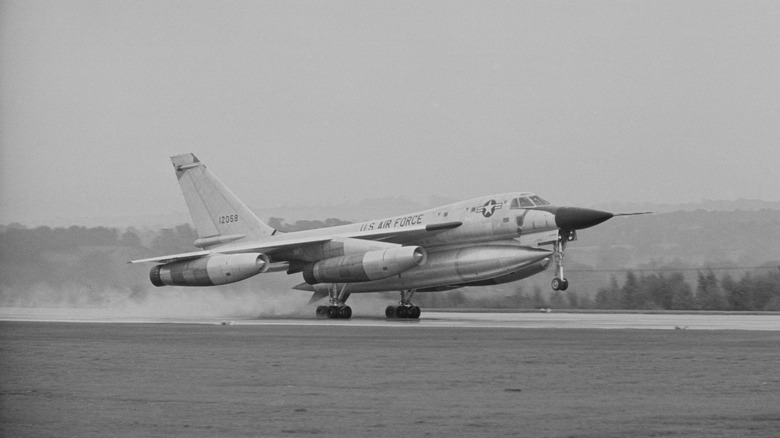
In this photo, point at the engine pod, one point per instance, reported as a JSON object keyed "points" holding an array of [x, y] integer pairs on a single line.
{"points": [[210, 271], [372, 265]]}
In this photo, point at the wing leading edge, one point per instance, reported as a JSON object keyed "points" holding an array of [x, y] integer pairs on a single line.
{"points": [[280, 242]]}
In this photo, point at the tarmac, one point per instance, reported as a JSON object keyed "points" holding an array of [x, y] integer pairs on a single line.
{"points": [[435, 318], [449, 374]]}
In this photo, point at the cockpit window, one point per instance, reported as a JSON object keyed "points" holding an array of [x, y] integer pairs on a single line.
{"points": [[523, 202], [527, 202]]}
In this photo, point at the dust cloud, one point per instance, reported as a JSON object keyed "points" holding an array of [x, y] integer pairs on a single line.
{"points": [[154, 303], [41, 301]]}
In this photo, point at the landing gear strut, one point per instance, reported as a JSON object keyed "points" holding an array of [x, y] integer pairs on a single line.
{"points": [[405, 308], [336, 308], [564, 237]]}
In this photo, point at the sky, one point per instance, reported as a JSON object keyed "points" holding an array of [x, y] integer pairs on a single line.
{"points": [[320, 103]]}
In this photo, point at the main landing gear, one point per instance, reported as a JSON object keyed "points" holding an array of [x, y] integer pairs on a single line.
{"points": [[337, 309], [334, 312], [405, 309], [564, 237]]}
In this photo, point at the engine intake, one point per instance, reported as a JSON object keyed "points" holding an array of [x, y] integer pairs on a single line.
{"points": [[210, 271], [372, 265]]}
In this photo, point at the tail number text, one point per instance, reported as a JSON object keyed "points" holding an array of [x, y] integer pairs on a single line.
{"points": [[228, 219]]}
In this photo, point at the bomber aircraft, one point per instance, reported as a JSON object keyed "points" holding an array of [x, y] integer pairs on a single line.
{"points": [[483, 241]]}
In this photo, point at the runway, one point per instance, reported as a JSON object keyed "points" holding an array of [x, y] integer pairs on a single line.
{"points": [[449, 374], [433, 318]]}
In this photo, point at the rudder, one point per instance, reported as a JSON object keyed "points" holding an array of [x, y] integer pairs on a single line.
{"points": [[219, 216]]}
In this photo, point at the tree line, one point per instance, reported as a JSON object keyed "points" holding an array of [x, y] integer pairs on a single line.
{"points": [[759, 291], [93, 259]]}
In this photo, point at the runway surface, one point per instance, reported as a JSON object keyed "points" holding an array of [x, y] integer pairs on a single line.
{"points": [[471, 319], [448, 375]]}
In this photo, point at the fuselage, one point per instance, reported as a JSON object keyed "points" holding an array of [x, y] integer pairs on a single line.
{"points": [[497, 239], [486, 219]]}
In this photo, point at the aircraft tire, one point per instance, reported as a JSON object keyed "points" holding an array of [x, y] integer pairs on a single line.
{"points": [[556, 283], [402, 312], [390, 312], [333, 312], [345, 312], [415, 312], [564, 284], [322, 311]]}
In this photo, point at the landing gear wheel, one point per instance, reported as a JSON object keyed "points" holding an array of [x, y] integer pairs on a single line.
{"points": [[336, 309], [405, 309], [560, 284], [403, 312], [336, 312]]}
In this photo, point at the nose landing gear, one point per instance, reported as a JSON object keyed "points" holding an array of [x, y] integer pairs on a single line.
{"points": [[560, 284], [559, 248]]}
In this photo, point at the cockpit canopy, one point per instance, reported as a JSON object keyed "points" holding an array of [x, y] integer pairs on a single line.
{"points": [[529, 201]]}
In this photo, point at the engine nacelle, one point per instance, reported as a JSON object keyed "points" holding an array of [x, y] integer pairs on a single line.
{"points": [[372, 265], [210, 271]]}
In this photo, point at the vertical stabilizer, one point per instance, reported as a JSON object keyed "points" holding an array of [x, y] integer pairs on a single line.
{"points": [[219, 216]]}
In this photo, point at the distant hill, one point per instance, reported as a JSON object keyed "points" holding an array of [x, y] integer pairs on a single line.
{"points": [[706, 205], [734, 243], [83, 267], [683, 238], [737, 233]]}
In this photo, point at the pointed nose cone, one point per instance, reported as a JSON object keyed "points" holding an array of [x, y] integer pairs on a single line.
{"points": [[572, 218]]}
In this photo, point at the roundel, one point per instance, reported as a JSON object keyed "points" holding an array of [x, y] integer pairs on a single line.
{"points": [[489, 208]]}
